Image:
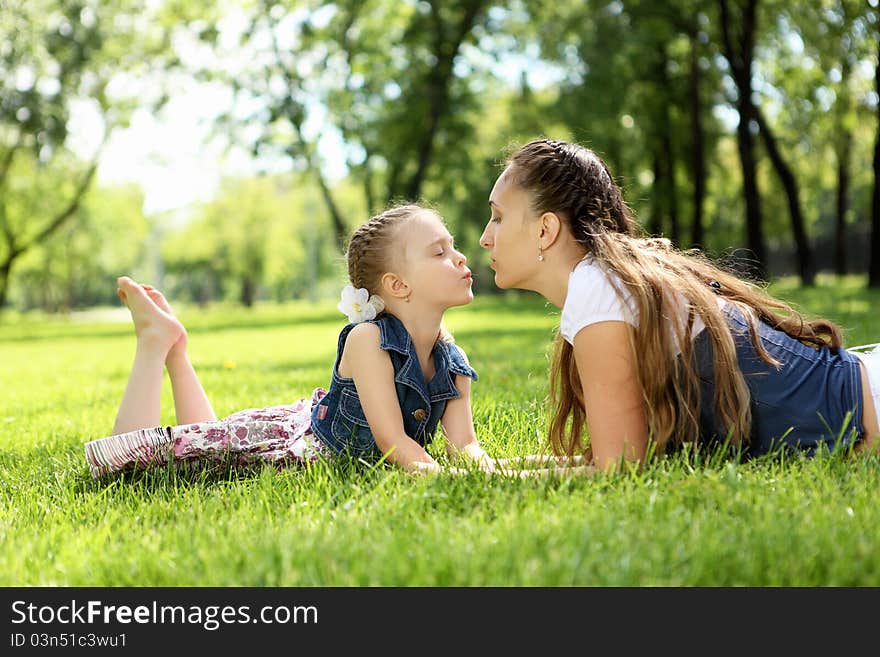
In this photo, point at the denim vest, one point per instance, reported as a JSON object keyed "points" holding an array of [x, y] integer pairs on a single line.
{"points": [[339, 420], [801, 405]]}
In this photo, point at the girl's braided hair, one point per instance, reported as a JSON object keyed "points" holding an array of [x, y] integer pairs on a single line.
{"points": [[370, 252]]}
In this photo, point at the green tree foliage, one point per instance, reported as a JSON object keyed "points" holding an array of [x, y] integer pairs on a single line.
{"points": [[53, 54], [388, 77], [755, 131], [638, 88], [265, 237], [78, 264], [815, 93]]}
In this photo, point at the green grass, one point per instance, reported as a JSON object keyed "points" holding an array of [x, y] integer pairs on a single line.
{"points": [[681, 521]]}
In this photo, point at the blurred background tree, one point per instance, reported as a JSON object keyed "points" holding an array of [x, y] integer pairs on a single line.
{"points": [[54, 55], [748, 128]]}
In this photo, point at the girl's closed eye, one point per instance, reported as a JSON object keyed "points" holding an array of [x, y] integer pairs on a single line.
{"points": [[495, 219]]}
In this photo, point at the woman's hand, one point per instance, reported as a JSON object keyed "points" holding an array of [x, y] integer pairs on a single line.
{"points": [[489, 466]]}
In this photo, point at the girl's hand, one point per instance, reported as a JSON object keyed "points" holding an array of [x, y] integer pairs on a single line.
{"points": [[421, 468]]}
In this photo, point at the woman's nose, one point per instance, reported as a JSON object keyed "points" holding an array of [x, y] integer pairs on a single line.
{"points": [[484, 239]]}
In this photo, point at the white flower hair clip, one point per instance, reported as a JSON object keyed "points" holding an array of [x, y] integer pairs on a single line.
{"points": [[359, 304]]}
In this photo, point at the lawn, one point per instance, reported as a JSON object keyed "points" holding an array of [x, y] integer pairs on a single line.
{"points": [[680, 521]]}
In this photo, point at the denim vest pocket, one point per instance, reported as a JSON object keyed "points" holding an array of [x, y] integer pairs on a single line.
{"points": [[350, 425]]}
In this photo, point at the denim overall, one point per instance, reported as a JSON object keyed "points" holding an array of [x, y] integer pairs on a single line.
{"points": [[339, 420], [814, 398]]}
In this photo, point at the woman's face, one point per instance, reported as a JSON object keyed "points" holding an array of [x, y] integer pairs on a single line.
{"points": [[513, 249]]}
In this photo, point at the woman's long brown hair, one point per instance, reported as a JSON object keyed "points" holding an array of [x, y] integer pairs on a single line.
{"points": [[573, 182]]}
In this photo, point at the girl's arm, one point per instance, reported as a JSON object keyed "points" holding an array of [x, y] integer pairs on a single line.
{"points": [[458, 427], [613, 400], [370, 367]]}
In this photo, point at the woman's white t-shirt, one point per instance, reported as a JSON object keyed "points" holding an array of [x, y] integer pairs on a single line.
{"points": [[592, 298]]}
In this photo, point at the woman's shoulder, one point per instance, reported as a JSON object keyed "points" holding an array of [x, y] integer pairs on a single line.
{"points": [[594, 294], [592, 283], [590, 272]]}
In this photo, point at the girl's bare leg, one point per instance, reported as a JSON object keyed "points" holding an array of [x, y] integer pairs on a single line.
{"points": [[156, 333], [191, 404]]}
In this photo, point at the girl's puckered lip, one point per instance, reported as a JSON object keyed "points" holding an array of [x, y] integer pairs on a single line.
{"points": [[468, 276]]}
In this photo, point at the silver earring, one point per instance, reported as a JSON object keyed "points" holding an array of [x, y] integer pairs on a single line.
{"points": [[540, 254]]}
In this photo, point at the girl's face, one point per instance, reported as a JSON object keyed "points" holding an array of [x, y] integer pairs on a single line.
{"points": [[435, 269], [513, 249]]}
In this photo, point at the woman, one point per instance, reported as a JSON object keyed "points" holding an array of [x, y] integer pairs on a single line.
{"points": [[659, 347]]}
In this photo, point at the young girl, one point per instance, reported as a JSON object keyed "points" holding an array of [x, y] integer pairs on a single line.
{"points": [[397, 374], [657, 346]]}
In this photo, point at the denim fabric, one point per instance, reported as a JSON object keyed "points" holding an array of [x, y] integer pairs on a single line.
{"points": [[814, 398], [339, 419]]}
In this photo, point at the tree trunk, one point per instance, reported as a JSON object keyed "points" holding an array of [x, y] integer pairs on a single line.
{"points": [[740, 61], [340, 226], [698, 156], [670, 191], [874, 269], [340, 229], [657, 206], [806, 267], [840, 263], [439, 82], [248, 291], [369, 195], [667, 187], [5, 269], [754, 218], [295, 113]]}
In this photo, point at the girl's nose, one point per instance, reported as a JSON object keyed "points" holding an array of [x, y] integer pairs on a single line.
{"points": [[484, 239]]}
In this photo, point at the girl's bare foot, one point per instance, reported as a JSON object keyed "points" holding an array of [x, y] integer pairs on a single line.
{"points": [[159, 299], [154, 327]]}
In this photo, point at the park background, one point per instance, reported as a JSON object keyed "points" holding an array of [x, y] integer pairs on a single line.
{"points": [[224, 150]]}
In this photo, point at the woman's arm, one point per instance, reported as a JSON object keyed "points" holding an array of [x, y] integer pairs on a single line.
{"points": [[461, 439], [519, 473], [533, 460], [613, 399]]}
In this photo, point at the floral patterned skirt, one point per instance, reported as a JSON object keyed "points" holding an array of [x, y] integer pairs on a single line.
{"points": [[276, 434]]}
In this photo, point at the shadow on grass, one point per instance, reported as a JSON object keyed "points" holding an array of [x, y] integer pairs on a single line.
{"points": [[275, 366], [241, 323], [233, 318], [538, 334], [205, 473]]}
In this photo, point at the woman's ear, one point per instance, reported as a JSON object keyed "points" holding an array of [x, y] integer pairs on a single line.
{"points": [[550, 228]]}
